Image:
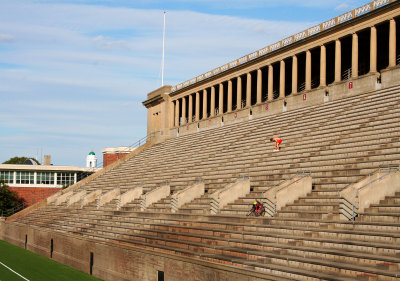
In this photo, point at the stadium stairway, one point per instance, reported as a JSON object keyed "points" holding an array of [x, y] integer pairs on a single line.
{"points": [[338, 143]]}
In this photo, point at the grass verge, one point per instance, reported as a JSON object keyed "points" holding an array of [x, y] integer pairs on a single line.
{"points": [[35, 267]]}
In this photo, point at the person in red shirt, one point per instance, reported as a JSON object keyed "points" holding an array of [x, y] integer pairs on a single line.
{"points": [[277, 141]]}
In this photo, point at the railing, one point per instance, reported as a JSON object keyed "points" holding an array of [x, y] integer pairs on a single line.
{"points": [[349, 202], [214, 205], [302, 174], [302, 86], [229, 193], [155, 195], [186, 195], [137, 143], [348, 209], [346, 74], [9, 212], [275, 94], [388, 168], [270, 205]]}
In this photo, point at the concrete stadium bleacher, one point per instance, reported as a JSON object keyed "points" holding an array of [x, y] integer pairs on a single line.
{"points": [[338, 143]]}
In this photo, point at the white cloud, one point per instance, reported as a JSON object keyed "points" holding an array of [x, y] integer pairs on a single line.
{"points": [[107, 44], [6, 38], [342, 7], [82, 71]]}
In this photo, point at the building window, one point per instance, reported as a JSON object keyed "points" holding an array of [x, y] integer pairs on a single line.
{"points": [[45, 178], [25, 177], [65, 179], [7, 176]]}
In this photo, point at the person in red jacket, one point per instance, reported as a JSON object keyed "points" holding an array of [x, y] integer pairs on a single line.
{"points": [[277, 141]]}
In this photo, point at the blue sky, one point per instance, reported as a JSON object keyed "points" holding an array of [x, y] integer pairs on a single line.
{"points": [[73, 74]]}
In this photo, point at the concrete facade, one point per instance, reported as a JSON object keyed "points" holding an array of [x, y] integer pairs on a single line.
{"points": [[336, 64], [175, 111], [117, 261]]}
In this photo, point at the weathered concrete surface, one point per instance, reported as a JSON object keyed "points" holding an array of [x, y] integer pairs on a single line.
{"points": [[129, 196], [120, 261], [154, 196], [76, 197], [185, 196], [61, 198], [372, 189], [91, 197], [109, 196], [289, 191], [229, 194]]}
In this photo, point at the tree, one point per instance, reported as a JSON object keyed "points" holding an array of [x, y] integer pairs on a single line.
{"points": [[8, 199], [20, 160]]}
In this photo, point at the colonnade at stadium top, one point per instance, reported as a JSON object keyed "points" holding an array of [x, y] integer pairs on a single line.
{"points": [[361, 43]]}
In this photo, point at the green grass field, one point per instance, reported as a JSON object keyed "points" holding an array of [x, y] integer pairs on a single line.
{"points": [[35, 267]]}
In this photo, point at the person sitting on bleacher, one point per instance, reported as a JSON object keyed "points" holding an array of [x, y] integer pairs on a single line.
{"points": [[277, 141]]}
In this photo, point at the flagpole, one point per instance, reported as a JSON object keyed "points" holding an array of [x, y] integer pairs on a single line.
{"points": [[163, 47]]}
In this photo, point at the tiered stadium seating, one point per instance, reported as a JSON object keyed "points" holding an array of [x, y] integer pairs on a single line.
{"points": [[338, 143]]}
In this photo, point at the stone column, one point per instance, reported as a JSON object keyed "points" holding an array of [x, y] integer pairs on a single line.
{"points": [[322, 78], [373, 50], [338, 61], [172, 114], [248, 90], [183, 110], [259, 86], [392, 43], [204, 104], [190, 118], [282, 80], [294, 75], [221, 99], [197, 114], [308, 70], [229, 96], [239, 93], [177, 113], [354, 57], [212, 110], [270, 83]]}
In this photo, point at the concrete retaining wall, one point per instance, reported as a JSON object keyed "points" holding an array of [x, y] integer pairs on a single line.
{"points": [[154, 196], [229, 194], [187, 195], [117, 261], [91, 197], [109, 196], [289, 191], [76, 197], [372, 189], [129, 196]]}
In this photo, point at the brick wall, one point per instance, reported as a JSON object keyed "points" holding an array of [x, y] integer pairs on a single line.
{"points": [[109, 158], [34, 194]]}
